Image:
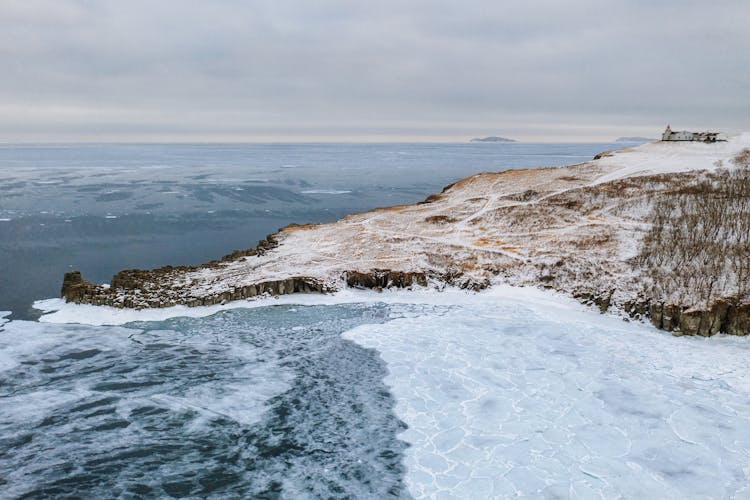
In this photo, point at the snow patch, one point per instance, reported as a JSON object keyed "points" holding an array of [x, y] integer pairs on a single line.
{"points": [[670, 157]]}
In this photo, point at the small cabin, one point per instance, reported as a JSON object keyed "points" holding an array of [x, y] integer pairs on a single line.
{"points": [[684, 135]]}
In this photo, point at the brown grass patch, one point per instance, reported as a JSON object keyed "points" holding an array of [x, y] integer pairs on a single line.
{"points": [[299, 227], [484, 241], [510, 248], [395, 208], [430, 199], [467, 267], [593, 241], [440, 219]]}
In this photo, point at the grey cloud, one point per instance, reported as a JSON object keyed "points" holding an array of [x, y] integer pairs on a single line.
{"points": [[246, 70]]}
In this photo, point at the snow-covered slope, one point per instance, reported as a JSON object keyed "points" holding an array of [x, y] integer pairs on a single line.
{"points": [[572, 229], [670, 157]]}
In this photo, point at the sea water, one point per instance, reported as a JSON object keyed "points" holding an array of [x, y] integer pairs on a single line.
{"points": [[454, 394], [243, 403]]}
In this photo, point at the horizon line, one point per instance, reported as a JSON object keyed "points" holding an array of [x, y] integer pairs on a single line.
{"points": [[321, 141]]}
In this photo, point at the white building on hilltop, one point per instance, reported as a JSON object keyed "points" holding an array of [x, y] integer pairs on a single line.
{"points": [[684, 135]]}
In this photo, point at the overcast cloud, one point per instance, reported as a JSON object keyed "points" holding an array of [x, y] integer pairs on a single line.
{"points": [[232, 70]]}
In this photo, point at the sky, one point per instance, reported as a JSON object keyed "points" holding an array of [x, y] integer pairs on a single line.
{"points": [[385, 70]]}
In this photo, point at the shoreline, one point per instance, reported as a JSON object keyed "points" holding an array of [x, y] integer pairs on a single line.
{"points": [[573, 229], [57, 311]]}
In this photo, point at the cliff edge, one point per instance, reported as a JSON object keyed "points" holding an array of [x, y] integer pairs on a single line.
{"points": [[599, 231]]}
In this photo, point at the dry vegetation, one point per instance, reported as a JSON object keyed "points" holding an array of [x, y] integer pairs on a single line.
{"points": [[698, 247]]}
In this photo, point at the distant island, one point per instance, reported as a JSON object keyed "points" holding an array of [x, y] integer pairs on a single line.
{"points": [[634, 139], [491, 139]]}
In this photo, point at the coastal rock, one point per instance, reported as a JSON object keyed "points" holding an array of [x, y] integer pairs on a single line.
{"points": [[383, 278], [721, 316], [76, 289], [738, 320]]}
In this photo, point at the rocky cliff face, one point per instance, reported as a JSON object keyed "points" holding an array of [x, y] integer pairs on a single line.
{"points": [[725, 316], [575, 229]]}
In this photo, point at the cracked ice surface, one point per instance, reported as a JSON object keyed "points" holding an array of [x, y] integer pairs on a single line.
{"points": [[506, 399]]}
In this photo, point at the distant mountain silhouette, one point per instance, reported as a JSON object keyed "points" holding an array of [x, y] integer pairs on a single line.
{"points": [[492, 139]]}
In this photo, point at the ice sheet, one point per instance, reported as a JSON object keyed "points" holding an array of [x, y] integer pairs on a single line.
{"points": [[511, 399]]}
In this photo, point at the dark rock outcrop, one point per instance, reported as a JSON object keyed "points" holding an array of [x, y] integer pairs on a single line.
{"points": [[383, 278], [75, 288], [139, 294], [723, 316]]}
